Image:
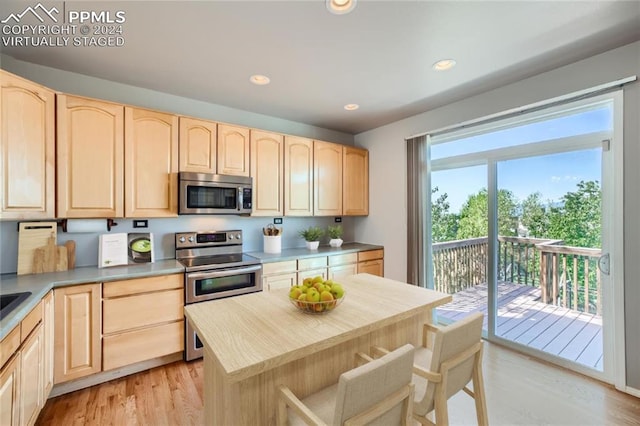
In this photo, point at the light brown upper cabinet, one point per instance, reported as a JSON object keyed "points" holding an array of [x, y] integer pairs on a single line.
{"points": [[327, 179], [90, 150], [151, 163], [267, 152], [27, 138], [233, 150], [197, 145], [298, 176], [355, 181]]}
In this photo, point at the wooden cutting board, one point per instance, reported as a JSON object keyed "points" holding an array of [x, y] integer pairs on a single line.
{"points": [[50, 258], [32, 235]]}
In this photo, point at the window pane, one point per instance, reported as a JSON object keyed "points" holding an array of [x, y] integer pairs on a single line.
{"points": [[584, 122]]}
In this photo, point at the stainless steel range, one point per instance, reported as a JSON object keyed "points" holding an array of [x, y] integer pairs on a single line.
{"points": [[216, 267]]}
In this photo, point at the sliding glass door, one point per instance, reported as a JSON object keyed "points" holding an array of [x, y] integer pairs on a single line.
{"points": [[521, 229]]}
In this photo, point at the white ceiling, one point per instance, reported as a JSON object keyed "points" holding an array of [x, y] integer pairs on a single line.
{"points": [[379, 56]]}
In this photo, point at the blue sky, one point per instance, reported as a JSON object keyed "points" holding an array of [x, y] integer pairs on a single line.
{"points": [[551, 175]]}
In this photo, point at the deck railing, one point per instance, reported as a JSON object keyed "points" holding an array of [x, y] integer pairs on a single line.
{"points": [[567, 276]]}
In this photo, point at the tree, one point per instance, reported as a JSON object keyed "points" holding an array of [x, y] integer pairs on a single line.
{"points": [[578, 220], [534, 216], [474, 215], [443, 223]]}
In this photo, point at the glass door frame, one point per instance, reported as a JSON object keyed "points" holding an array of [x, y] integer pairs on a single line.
{"points": [[612, 231]]}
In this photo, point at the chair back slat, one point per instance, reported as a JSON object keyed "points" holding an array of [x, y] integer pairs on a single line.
{"points": [[371, 384], [450, 342]]}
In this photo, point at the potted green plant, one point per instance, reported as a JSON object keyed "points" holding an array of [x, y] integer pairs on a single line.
{"points": [[335, 233], [312, 237]]}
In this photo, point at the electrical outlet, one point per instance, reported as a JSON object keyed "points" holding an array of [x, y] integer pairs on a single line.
{"points": [[140, 223], [338, 220], [277, 221]]}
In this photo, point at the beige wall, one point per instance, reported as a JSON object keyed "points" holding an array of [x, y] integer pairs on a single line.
{"points": [[387, 225]]}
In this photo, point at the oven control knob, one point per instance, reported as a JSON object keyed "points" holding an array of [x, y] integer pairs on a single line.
{"points": [[238, 236], [231, 236], [190, 239], [182, 240]]}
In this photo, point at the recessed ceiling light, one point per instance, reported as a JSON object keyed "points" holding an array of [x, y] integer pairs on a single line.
{"points": [[444, 64], [260, 80], [351, 107], [340, 7]]}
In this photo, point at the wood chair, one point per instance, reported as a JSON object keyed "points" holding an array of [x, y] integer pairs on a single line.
{"points": [[379, 392], [447, 368]]}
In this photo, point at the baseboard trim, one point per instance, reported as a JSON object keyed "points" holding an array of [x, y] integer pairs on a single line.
{"points": [[632, 391], [105, 376]]}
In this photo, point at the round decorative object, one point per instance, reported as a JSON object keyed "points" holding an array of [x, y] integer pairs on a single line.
{"points": [[335, 242], [312, 245], [316, 307]]}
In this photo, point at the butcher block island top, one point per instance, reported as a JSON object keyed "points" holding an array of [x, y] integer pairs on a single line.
{"points": [[256, 341]]}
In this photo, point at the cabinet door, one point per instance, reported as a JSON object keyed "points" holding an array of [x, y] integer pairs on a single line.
{"points": [[312, 273], [267, 151], [233, 150], [31, 378], [327, 179], [373, 267], [47, 342], [279, 281], [198, 144], [151, 163], [355, 181], [339, 272], [90, 149], [298, 176], [27, 138], [10, 392], [77, 344]]}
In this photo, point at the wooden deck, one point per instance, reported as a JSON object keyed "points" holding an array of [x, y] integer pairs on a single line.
{"points": [[522, 318]]}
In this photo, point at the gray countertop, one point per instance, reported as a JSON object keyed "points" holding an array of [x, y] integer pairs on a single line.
{"points": [[301, 252], [40, 284]]}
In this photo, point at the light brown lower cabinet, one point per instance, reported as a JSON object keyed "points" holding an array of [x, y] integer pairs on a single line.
{"points": [[77, 332], [277, 275], [142, 319], [31, 377], [47, 341], [22, 393], [371, 262], [10, 392]]}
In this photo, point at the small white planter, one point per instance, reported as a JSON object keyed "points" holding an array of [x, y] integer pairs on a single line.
{"points": [[312, 245], [335, 242]]}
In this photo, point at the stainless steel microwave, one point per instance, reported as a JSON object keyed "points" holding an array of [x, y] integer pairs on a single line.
{"points": [[205, 193]]}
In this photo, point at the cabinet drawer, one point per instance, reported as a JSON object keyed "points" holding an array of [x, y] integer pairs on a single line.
{"points": [[9, 345], [337, 273], [30, 321], [279, 267], [312, 263], [343, 259], [373, 267], [142, 285], [279, 281], [312, 273], [141, 345], [126, 313], [363, 256]]}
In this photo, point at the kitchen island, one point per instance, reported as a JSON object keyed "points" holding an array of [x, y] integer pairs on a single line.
{"points": [[255, 342]]}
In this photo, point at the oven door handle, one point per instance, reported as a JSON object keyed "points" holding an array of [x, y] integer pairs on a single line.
{"points": [[224, 273]]}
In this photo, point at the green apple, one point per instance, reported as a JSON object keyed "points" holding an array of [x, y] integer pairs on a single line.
{"points": [[337, 291], [295, 292]]}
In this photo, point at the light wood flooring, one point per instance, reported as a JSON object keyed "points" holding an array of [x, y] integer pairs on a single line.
{"points": [[523, 319], [520, 391]]}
